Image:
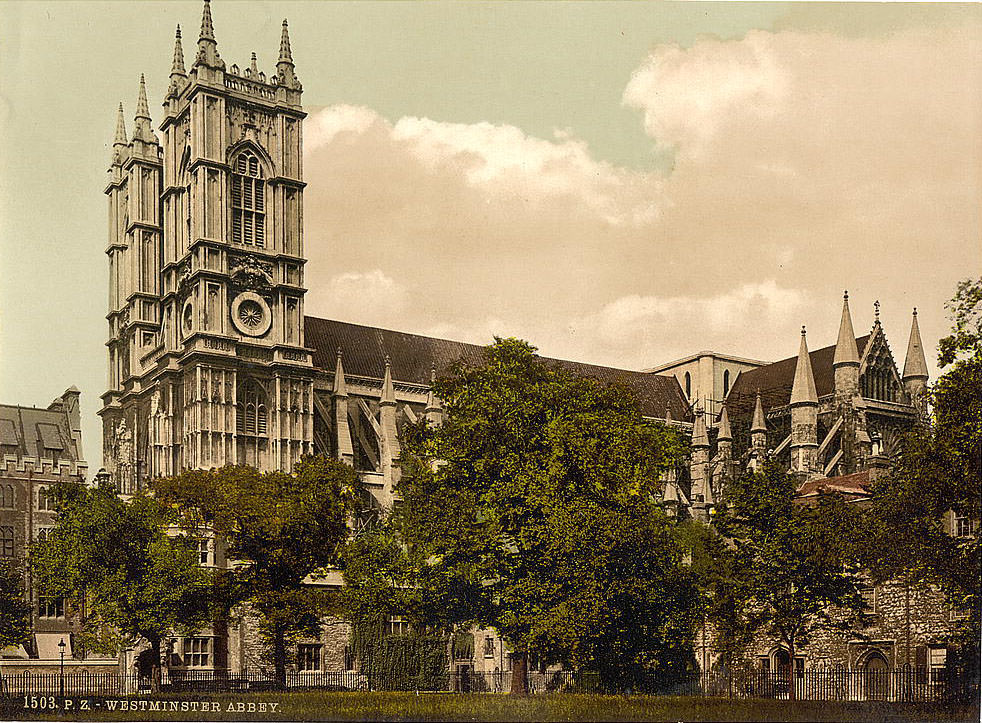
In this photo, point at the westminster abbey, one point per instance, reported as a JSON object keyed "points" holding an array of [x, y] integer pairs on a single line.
{"points": [[212, 360]]}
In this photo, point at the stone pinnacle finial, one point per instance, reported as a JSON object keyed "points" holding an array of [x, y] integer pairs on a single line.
{"points": [[846, 350], [177, 67], [388, 390], [286, 54], [700, 437], [207, 28], [142, 108], [803, 389], [876, 311], [253, 66], [340, 388], [120, 139], [758, 424], [915, 365], [725, 433]]}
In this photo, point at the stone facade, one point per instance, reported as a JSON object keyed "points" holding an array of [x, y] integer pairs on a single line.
{"points": [[40, 448]]}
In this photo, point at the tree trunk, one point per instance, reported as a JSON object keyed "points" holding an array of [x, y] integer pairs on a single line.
{"points": [[279, 657], [520, 673], [792, 687], [155, 667]]}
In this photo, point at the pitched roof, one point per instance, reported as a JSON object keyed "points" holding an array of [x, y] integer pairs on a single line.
{"points": [[412, 357], [775, 380], [32, 432], [856, 484]]}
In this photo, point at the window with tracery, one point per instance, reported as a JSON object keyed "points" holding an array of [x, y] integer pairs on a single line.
{"points": [[251, 413], [248, 200]]}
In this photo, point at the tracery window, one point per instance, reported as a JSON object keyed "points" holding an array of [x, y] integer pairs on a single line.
{"points": [[251, 413], [248, 200], [7, 496], [46, 499], [6, 541]]}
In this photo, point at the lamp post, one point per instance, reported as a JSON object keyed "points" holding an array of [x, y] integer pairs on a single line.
{"points": [[61, 677]]}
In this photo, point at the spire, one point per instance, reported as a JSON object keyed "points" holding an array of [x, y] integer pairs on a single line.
{"points": [[388, 392], [725, 433], [846, 351], [700, 438], [915, 366], [758, 424], [284, 66], [803, 390], [286, 54], [142, 130], [207, 46], [207, 29], [119, 142], [177, 67], [253, 65], [340, 388]]}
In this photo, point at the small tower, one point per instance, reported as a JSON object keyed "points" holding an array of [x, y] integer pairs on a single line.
{"points": [[848, 401], [701, 489], [846, 359], [390, 436], [758, 435], [178, 75], [723, 467], [915, 369], [804, 414]]}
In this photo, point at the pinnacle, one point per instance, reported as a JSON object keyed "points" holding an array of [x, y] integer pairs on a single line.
{"points": [[142, 109], [207, 28], [388, 391], [803, 389], [915, 365], [177, 68], [758, 424], [120, 128], [340, 388], [286, 54], [725, 434], [700, 438], [846, 351]]}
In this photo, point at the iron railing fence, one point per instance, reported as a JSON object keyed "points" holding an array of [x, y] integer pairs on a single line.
{"points": [[911, 684]]}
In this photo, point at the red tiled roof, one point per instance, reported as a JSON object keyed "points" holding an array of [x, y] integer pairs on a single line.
{"points": [[775, 381], [412, 356], [850, 484]]}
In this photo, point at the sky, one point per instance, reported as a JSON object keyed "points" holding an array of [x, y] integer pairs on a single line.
{"points": [[621, 183]]}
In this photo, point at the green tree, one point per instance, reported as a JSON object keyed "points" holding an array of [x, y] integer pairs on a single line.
{"points": [[280, 528], [793, 563], [139, 583], [536, 502], [15, 611], [939, 474]]}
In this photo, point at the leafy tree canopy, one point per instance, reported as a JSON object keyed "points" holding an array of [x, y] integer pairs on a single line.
{"points": [[537, 497], [279, 529], [939, 475], [15, 611], [792, 565], [139, 583]]}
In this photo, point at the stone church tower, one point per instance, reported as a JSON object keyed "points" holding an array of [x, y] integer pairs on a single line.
{"points": [[207, 364]]}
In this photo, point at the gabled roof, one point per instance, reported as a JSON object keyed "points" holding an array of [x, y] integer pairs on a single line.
{"points": [[32, 432], [412, 357], [854, 485], [775, 380]]}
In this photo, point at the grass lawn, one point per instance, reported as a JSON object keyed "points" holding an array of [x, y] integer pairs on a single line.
{"points": [[321, 705]]}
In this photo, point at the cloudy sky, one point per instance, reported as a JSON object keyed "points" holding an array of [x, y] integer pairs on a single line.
{"points": [[619, 183]]}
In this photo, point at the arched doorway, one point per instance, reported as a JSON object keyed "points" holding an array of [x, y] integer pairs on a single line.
{"points": [[876, 676]]}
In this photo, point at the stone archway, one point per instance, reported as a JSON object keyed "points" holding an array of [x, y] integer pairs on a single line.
{"points": [[876, 676]]}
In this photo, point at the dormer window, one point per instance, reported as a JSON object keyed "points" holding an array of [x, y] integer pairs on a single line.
{"points": [[248, 201]]}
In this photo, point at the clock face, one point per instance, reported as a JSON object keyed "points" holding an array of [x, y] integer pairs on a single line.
{"points": [[251, 314]]}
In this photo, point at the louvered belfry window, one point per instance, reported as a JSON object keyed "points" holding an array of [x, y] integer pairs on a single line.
{"points": [[251, 414], [248, 201]]}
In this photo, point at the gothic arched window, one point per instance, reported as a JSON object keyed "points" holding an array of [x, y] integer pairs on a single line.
{"points": [[251, 414], [726, 382], [248, 200], [7, 496], [688, 385]]}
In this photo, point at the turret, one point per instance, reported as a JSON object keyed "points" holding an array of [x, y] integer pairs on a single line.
{"points": [[145, 141], [388, 414], [758, 426], [120, 144], [915, 368], [804, 414]]}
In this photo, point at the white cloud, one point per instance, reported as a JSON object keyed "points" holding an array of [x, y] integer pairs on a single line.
{"points": [[361, 297]]}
